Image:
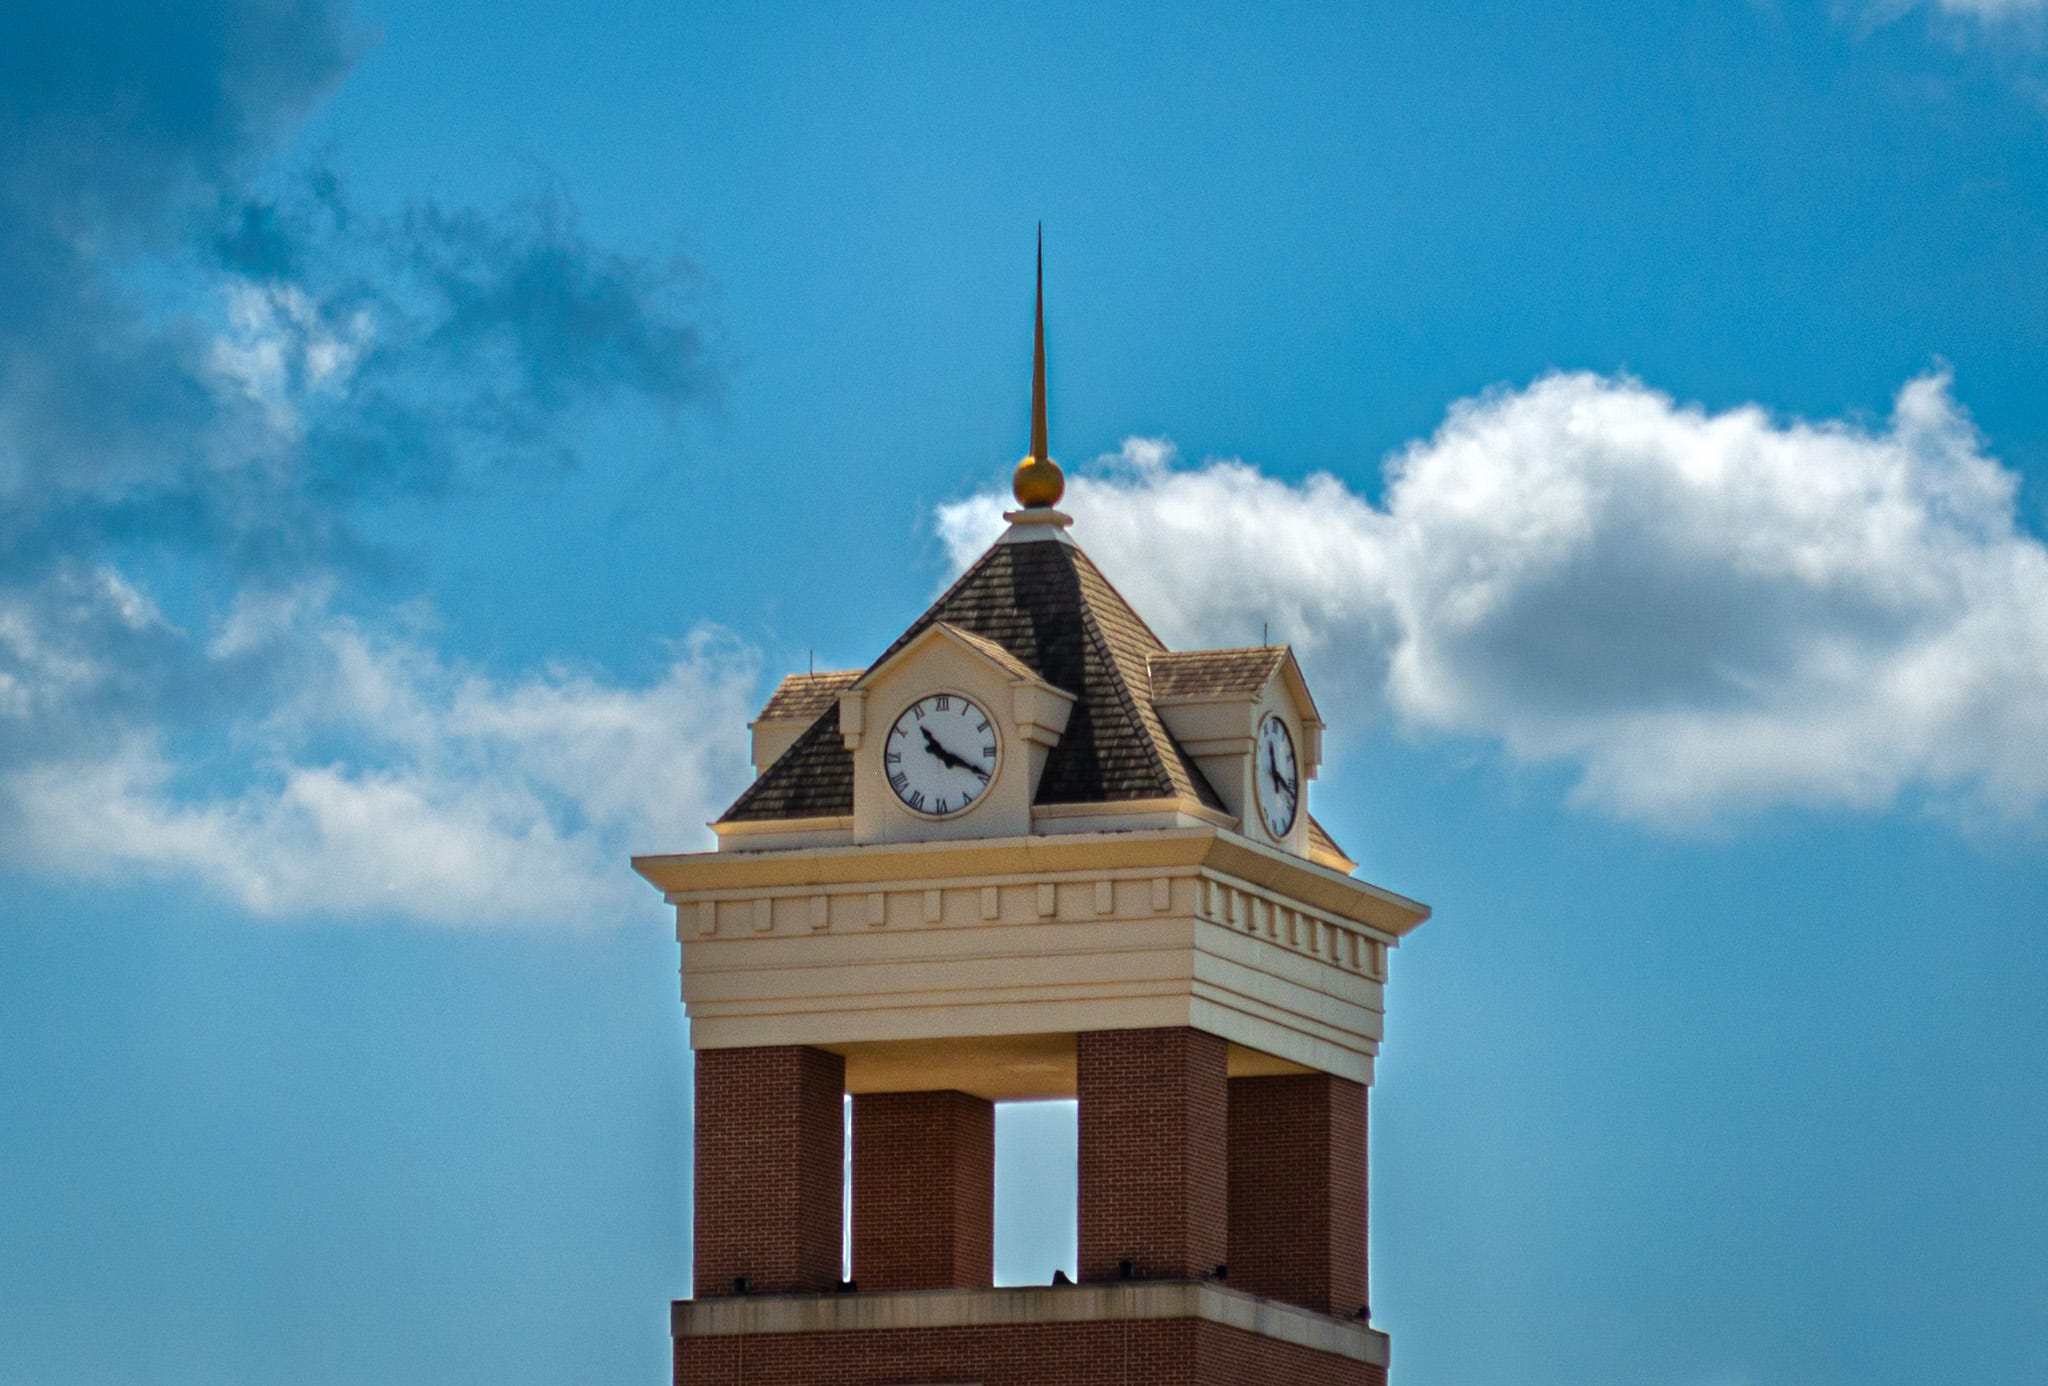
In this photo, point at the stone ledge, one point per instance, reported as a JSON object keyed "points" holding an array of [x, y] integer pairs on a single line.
{"points": [[930, 1309]]}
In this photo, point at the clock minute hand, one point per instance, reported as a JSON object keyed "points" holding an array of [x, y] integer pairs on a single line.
{"points": [[946, 757]]}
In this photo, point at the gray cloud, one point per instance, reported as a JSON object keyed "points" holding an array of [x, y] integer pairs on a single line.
{"points": [[204, 357], [211, 370]]}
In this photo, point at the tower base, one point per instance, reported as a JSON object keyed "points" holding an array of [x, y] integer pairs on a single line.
{"points": [[1158, 1333]]}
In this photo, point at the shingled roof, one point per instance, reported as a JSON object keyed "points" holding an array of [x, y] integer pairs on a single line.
{"points": [[1214, 673], [1046, 604], [801, 697]]}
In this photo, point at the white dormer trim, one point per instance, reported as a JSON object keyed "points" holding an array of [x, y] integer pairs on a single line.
{"points": [[1039, 710]]}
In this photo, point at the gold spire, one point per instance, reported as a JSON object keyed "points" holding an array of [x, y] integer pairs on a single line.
{"points": [[1037, 482]]}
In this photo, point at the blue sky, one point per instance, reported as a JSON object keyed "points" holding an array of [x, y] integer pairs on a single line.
{"points": [[426, 432]]}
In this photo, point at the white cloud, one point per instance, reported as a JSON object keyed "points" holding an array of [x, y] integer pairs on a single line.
{"points": [[1705, 614], [451, 797], [279, 350], [1993, 10]]}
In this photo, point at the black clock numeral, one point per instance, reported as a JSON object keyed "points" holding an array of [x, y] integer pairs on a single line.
{"points": [[917, 800], [945, 704], [900, 780], [982, 725], [894, 757], [989, 750], [918, 708], [942, 807]]}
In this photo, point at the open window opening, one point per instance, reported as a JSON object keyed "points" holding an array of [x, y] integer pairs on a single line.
{"points": [[1037, 1191]]}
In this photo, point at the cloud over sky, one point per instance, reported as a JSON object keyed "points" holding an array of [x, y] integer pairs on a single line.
{"points": [[1702, 614], [216, 370], [213, 366], [1993, 9], [459, 799]]}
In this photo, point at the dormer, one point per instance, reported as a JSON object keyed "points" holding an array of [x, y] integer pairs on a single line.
{"points": [[1245, 717], [798, 701], [949, 736]]}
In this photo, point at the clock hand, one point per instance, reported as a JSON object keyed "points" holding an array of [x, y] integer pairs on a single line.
{"points": [[1280, 785], [946, 757]]}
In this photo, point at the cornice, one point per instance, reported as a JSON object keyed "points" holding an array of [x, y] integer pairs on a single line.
{"points": [[1170, 849]]}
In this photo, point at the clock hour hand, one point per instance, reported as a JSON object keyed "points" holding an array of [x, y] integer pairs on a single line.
{"points": [[1273, 771], [946, 757]]}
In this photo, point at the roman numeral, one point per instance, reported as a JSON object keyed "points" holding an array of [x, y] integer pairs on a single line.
{"points": [[917, 801], [982, 725], [989, 750], [900, 780], [918, 708], [942, 806], [894, 757], [945, 703]]}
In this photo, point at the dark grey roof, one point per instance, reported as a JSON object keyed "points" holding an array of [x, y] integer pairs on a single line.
{"points": [[1049, 606]]}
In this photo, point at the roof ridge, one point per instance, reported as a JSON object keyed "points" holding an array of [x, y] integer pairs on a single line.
{"points": [[1127, 696], [1116, 592], [993, 649], [1274, 650], [930, 615]]}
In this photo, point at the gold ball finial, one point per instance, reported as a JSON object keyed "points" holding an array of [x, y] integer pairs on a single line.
{"points": [[1038, 483]]}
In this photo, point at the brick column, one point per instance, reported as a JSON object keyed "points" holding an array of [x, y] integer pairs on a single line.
{"points": [[1297, 1190], [1154, 1187], [924, 1191], [770, 1142]]}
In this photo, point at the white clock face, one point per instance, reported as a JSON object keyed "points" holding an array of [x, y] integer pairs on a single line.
{"points": [[1279, 781], [940, 755]]}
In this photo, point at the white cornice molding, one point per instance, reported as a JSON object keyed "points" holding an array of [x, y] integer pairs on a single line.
{"points": [[1039, 854]]}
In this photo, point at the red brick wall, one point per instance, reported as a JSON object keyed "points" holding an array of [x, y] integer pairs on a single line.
{"points": [[770, 1148], [1153, 1170], [924, 1184], [1155, 1352], [1298, 1190]]}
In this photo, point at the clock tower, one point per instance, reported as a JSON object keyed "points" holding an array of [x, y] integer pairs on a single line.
{"points": [[1031, 853]]}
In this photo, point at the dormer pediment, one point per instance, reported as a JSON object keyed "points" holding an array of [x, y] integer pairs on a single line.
{"points": [[1037, 710]]}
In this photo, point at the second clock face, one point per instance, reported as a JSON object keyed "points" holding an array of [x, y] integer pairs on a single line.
{"points": [[940, 754], [1279, 782]]}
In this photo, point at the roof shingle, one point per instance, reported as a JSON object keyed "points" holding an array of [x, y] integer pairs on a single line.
{"points": [[1237, 673], [801, 697]]}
